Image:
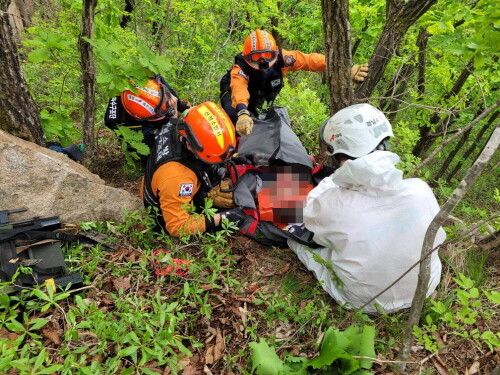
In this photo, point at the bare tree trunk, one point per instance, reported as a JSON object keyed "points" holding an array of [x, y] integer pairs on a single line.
{"points": [[338, 52], [162, 32], [396, 90], [358, 41], [400, 16], [452, 155], [423, 37], [18, 111], [401, 79], [88, 79], [425, 142], [129, 8], [467, 153], [424, 273], [443, 144]]}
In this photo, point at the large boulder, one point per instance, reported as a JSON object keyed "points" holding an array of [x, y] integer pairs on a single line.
{"points": [[48, 183]]}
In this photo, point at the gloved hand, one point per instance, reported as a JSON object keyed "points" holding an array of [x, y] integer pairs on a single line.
{"points": [[359, 72], [234, 215], [244, 125], [222, 199], [300, 234]]}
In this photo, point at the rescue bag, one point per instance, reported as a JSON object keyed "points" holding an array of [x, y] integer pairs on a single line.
{"points": [[271, 143], [35, 244]]}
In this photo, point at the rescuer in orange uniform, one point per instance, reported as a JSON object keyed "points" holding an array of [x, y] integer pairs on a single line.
{"points": [[257, 76], [145, 110], [183, 167]]}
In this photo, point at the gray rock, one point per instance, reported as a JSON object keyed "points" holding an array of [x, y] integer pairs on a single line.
{"points": [[48, 183]]}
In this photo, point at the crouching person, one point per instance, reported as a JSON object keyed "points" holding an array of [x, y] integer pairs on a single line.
{"points": [[368, 220], [180, 170]]}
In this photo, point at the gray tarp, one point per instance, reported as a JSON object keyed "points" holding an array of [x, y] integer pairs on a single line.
{"points": [[273, 141]]}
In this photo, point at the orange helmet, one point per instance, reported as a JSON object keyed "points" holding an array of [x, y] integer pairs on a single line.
{"points": [[209, 131], [260, 50], [150, 103]]}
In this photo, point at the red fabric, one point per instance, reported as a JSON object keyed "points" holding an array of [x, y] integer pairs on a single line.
{"points": [[182, 270]]}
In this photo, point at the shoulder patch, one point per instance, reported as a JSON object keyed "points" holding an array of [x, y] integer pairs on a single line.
{"points": [[242, 73], [289, 60], [186, 190]]}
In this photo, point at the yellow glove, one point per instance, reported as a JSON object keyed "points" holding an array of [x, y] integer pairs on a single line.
{"points": [[222, 199], [244, 125], [359, 72]]}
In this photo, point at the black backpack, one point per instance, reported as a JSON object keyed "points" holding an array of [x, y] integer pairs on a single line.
{"points": [[34, 244]]}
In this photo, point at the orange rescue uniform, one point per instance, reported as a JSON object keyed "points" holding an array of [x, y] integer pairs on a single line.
{"points": [[175, 185], [294, 60]]}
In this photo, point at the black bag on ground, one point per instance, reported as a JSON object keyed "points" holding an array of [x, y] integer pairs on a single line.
{"points": [[34, 244]]}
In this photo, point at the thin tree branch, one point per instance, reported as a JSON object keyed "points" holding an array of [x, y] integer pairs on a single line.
{"points": [[424, 273], [485, 113]]}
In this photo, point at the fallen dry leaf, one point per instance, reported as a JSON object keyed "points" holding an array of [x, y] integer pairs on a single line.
{"points": [[214, 352], [121, 282], [474, 369], [194, 367], [252, 288], [52, 336], [243, 314], [235, 310]]}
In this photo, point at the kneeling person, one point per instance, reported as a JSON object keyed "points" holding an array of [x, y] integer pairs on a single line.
{"points": [[370, 222], [185, 152]]}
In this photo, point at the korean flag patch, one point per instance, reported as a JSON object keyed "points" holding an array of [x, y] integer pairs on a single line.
{"points": [[186, 190]]}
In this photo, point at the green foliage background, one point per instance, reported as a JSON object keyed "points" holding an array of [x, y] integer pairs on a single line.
{"points": [[192, 44]]}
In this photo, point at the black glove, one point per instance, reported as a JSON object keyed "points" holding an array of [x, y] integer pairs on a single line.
{"points": [[235, 215], [300, 234]]}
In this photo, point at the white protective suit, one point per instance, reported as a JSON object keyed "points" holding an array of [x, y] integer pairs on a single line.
{"points": [[372, 224]]}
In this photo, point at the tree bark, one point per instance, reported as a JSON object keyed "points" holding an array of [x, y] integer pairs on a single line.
{"points": [[399, 17], [467, 153], [88, 79], [19, 113], [423, 37], [424, 273], [338, 52], [425, 142]]}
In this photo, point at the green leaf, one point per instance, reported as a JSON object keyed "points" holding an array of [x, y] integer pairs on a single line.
{"points": [[79, 301], [127, 371], [62, 296], [39, 55], [367, 347], [38, 293], [265, 361], [4, 301], [51, 369], [125, 352], [14, 326], [474, 293], [494, 296], [37, 323], [333, 347]]}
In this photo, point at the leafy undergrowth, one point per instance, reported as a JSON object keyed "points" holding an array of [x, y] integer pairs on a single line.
{"points": [[127, 320]]}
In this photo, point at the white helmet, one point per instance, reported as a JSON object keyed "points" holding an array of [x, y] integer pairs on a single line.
{"points": [[355, 130]]}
